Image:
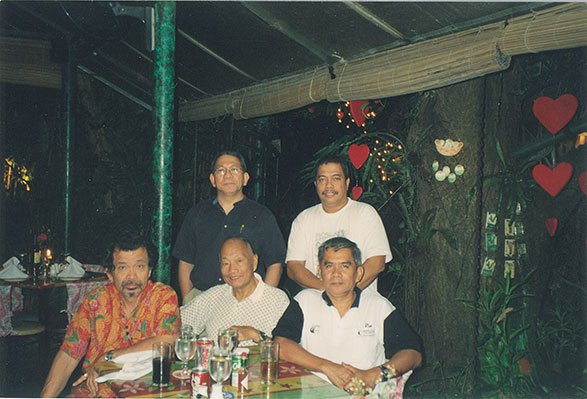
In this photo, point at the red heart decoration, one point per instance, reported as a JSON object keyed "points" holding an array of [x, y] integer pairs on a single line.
{"points": [[551, 225], [583, 182], [555, 114], [357, 111], [358, 154], [552, 180], [357, 192]]}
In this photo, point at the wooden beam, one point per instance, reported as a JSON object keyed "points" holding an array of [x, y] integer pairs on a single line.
{"points": [[289, 32], [374, 19]]}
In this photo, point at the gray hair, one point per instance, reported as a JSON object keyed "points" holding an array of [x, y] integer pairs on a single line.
{"points": [[337, 243]]}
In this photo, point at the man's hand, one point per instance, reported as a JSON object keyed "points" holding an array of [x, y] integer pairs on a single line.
{"points": [[90, 378], [369, 377], [247, 332], [337, 374]]}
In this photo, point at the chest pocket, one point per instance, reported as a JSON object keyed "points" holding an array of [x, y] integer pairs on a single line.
{"points": [[365, 347]]}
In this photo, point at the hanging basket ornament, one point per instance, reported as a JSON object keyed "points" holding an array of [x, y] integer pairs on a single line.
{"points": [[555, 114], [448, 147]]}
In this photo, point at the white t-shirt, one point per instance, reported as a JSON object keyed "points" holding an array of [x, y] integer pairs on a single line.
{"points": [[216, 309], [357, 221]]}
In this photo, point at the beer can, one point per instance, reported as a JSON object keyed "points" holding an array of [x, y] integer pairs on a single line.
{"points": [[199, 383], [204, 346]]}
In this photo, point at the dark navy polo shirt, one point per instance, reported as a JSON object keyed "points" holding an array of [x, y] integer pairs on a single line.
{"points": [[206, 227]]}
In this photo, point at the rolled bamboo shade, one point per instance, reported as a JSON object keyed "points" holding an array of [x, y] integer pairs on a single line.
{"points": [[266, 98], [551, 29], [27, 61], [421, 66]]}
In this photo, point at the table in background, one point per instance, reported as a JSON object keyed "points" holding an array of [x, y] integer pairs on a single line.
{"points": [[294, 382], [12, 297]]}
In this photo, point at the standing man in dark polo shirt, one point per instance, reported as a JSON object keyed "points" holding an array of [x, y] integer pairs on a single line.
{"points": [[231, 214]]}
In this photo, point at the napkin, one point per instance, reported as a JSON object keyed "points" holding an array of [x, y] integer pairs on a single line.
{"points": [[74, 269], [12, 269], [134, 365]]}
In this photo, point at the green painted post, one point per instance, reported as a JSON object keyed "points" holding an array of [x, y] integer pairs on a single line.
{"points": [[70, 88], [163, 121]]}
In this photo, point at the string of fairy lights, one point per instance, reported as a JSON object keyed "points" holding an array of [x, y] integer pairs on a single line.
{"points": [[386, 152]]}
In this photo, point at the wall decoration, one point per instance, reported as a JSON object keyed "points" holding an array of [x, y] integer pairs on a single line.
{"points": [[551, 225], [359, 109], [448, 147], [583, 182], [552, 180], [357, 192], [509, 268], [555, 114], [488, 267], [509, 249], [490, 241], [491, 221], [358, 154], [509, 228]]}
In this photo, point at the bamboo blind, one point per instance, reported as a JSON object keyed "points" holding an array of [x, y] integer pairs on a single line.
{"points": [[559, 27], [262, 99], [27, 61], [421, 66]]}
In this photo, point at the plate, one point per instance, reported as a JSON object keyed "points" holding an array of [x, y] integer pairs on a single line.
{"points": [[15, 280], [69, 278]]}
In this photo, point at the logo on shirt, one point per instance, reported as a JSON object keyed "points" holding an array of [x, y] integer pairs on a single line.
{"points": [[315, 329]]}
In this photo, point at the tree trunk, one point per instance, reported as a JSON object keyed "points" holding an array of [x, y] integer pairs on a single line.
{"points": [[438, 274]]}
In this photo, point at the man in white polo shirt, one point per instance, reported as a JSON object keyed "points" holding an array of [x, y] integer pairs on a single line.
{"points": [[335, 216], [342, 332], [245, 301]]}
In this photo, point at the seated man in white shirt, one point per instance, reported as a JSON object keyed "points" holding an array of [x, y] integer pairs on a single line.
{"points": [[244, 302], [343, 333]]}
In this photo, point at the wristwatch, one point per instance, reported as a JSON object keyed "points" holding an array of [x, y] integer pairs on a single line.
{"points": [[262, 336], [109, 355], [386, 375]]}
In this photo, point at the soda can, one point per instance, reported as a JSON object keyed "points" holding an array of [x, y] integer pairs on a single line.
{"points": [[204, 346], [239, 367], [199, 383]]}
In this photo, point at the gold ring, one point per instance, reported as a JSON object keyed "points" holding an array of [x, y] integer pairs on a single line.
{"points": [[86, 375]]}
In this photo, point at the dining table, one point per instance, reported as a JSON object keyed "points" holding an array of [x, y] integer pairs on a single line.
{"points": [[293, 382], [13, 291]]}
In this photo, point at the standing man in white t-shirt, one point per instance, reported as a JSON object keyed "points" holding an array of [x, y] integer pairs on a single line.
{"points": [[335, 216]]}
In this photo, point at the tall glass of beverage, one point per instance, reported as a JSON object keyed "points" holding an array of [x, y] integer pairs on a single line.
{"points": [[162, 352], [269, 361]]}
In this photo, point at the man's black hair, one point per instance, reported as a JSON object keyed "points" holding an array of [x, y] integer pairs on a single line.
{"points": [[337, 243], [332, 159], [128, 240], [236, 154]]}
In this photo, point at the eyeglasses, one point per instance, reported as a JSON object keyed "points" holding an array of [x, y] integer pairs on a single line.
{"points": [[234, 170]]}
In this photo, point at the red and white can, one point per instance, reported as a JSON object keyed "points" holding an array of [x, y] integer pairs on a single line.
{"points": [[204, 346], [200, 383]]}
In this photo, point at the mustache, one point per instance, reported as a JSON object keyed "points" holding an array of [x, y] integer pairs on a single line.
{"points": [[131, 282], [329, 191]]}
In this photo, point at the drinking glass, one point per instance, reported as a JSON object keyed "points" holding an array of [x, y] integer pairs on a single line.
{"points": [[227, 339], [185, 349], [220, 368], [161, 363], [269, 361]]}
